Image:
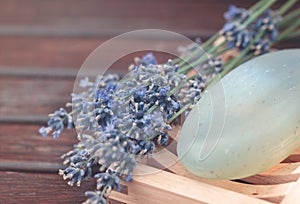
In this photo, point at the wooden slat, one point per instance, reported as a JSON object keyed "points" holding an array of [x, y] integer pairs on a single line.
{"points": [[93, 17], [46, 52], [32, 97], [259, 189], [293, 195], [182, 187], [271, 179], [49, 188], [41, 188], [22, 144], [38, 72], [293, 157], [45, 56], [53, 54], [281, 173]]}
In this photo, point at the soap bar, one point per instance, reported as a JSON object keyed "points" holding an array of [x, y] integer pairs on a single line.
{"points": [[246, 123]]}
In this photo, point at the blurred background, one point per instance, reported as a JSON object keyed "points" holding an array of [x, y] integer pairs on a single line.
{"points": [[60, 34], [42, 46]]}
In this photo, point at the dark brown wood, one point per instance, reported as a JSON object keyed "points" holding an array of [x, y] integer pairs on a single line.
{"points": [[23, 143], [33, 97], [41, 188], [46, 52], [108, 18], [63, 57], [93, 17], [70, 53]]}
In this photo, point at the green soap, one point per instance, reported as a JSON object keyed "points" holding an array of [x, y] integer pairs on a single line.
{"points": [[248, 122]]}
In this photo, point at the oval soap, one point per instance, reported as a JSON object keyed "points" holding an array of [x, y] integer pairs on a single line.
{"points": [[246, 123]]}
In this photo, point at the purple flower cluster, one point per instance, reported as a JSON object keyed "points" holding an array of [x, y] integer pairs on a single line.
{"points": [[56, 124], [236, 14], [121, 121], [240, 36]]}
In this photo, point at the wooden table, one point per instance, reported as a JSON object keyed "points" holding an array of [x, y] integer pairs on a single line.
{"points": [[42, 46]]}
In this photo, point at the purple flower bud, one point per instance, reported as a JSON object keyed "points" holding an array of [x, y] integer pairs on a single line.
{"points": [[149, 59], [128, 178]]}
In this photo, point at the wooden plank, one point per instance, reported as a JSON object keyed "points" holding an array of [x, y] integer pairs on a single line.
{"points": [[281, 173], [258, 188], [293, 195], [33, 97], [293, 157], [63, 57], [41, 188], [188, 190], [37, 72], [23, 149], [49, 188], [53, 54], [46, 52], [90, 18], [93, 18]]}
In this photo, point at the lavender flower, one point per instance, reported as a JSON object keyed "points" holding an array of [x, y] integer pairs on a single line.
{"points": [[239, 36], [260, 47], [95, 197], [148, 59], [236, 14], [56, 123], [268, 23]]}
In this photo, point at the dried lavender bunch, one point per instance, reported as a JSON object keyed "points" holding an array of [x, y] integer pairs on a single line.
{"points": [[120, 121]]}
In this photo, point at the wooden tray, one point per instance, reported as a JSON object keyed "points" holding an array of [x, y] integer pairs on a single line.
{"points": [[280, 184]]}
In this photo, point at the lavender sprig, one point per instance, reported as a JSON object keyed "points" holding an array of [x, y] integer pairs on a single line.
{"points": [[121, 121]]}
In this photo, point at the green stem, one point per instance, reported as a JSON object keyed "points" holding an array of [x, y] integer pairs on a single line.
{"points": [[256, 5], [294, 34], [235, 61], [179, 112], [201, 59], [221, 52], [289, 30], [173, 91], [151, 109], [288, 18], [209, 41], [198, 50], [259, 12], [106, 187], [246, 58], [286, 6]]}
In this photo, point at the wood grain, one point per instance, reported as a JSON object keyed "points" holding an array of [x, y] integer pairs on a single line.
{"points": [[70, 53], [23, 144], [107, 18], [93, 17], [293, 194], [33, 97], [41, 188]]}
